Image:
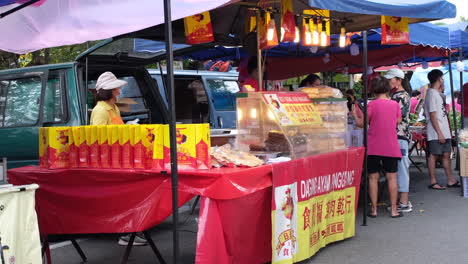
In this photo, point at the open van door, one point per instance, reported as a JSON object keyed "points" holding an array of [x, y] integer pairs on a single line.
{"points": [[117, 56], [22, 100]]}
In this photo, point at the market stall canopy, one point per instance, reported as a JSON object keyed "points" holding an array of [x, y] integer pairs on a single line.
{"points": [[50, 23], [419, 77], [229, 21], [418, 39]]}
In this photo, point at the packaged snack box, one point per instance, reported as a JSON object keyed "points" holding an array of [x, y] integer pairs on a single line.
{"points": [[79, 141], [113, 137], [43, 146], [193, 146], [125, 147], [58, 147], [148, 136], [73, 151], [158, 148], [104, 148], [93, 147], [136, 135]]}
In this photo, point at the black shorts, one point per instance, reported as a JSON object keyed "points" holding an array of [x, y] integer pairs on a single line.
{"points": [[379, 163], [436, 148]]}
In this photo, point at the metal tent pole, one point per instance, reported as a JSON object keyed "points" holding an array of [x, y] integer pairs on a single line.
{"points": [[172, 127], [460, 57], [365, 174], [259, 54], [453, 109]]}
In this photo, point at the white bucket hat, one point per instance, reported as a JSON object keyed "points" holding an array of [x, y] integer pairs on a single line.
{"points": [[394, 72], [108, 81]]}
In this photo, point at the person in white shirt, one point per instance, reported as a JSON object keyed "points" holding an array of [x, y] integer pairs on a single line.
{"points": [[438, 131]]}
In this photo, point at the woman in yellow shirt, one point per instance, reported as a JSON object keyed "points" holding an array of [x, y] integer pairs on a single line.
{"points": [[107, 89]]}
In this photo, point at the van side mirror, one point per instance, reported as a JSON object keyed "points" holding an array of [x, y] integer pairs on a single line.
{"points": [[220, 121]]}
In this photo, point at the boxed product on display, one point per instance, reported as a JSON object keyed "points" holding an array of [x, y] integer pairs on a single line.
{"points": [[116, 156], [79, 141], [43, 147], [126, 150], [57, 150], [193, 146], [93, 146], [158, 147], [124, 147], [138, 149], [149, 135], [73, 151], [104, 148]]}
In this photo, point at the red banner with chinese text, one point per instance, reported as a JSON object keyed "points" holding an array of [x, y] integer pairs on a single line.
{"points": [[314, 203]]}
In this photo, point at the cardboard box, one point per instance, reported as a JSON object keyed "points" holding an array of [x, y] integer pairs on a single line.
{"points": [[464, 162], [104, 148], [93, 146], [125, 147], [58, 147], [193, 146]]}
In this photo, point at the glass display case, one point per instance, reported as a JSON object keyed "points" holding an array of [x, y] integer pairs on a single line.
{"points": [[290, 123]]}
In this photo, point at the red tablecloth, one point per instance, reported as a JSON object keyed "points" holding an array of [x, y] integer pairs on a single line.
{"points": [[80, 201], [240, 230], [235, 212]]}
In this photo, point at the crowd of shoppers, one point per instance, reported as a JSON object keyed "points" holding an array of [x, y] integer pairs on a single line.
{"points": [[389, 137]]}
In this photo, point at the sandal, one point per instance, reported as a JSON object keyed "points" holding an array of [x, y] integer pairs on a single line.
{"points": [[455, 185], [432, 186], [370, 215], [400, 214]]}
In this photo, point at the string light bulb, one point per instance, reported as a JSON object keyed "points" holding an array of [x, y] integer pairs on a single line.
{"points": [[323, 34], [342, 42], [315, 33], [297, 38]]}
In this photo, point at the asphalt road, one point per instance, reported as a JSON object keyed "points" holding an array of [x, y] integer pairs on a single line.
{"points": [[435, 232]]}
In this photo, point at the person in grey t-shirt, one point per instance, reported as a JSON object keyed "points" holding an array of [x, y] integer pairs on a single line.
{"points": [[438, 131]]}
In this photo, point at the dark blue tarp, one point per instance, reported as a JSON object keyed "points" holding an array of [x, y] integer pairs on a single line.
{"points": [[413, 8]]}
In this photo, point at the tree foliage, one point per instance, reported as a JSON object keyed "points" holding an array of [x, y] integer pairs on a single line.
{"points": [[43, 56]]}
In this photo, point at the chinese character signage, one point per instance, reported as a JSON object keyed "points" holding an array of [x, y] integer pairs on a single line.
{"points": [[314, 205], [292, 109], [395, 30], [198, 28]]}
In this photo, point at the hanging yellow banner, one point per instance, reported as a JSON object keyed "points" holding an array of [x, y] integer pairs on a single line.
{"points": [[395, 30], [198, 28]]}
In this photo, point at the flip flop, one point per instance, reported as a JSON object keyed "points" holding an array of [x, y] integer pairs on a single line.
{"points": [[371, 215], [455, 185], [400, 214], [432, 186]]}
